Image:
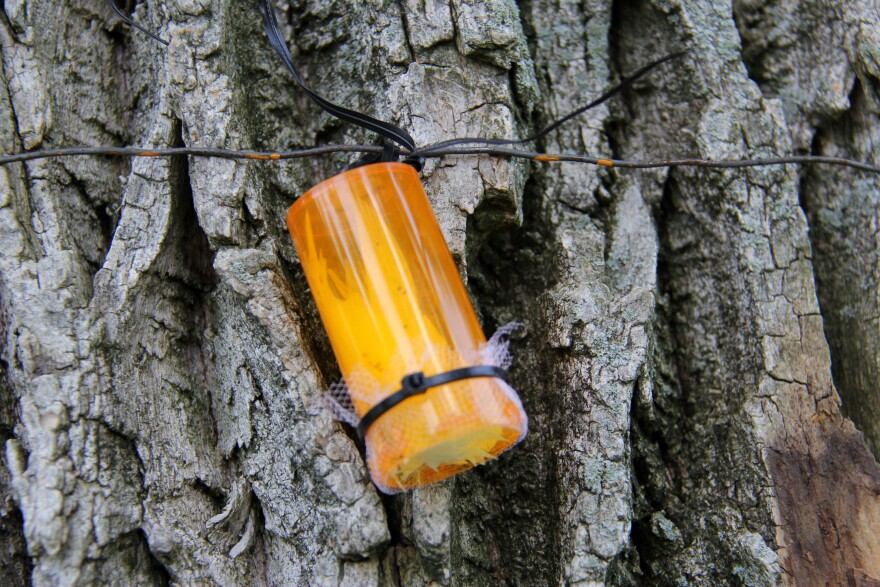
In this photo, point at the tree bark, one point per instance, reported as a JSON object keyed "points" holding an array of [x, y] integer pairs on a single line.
{"points": [[686, 331]]}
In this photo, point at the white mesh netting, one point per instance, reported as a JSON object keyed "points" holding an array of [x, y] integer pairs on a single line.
{"points": [[481, 417], [338, 398]]}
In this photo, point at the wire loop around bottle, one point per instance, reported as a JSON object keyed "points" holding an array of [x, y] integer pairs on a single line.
{"points": [[384, 129]]}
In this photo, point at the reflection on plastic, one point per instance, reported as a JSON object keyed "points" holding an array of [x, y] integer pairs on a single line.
{"points": [[393, 303]]}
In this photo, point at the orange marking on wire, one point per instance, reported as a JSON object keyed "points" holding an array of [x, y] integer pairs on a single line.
{"points": [[258, 157], [605, 162], [149, 154], [547, 158]]}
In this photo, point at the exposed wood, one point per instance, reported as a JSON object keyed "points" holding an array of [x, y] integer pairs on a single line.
{"points": [[162, 360]]}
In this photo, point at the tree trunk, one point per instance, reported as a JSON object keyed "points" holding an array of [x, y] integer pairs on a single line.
{"points": [[689, 334]]}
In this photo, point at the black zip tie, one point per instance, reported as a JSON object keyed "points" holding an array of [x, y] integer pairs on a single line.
{"points": [[417, 384], [415, 160], [384, 129], [390, 153]]}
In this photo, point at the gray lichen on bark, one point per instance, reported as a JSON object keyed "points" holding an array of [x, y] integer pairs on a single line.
{"points": [[162, 360]]}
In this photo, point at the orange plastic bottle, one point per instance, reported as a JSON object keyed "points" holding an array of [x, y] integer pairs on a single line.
{"points": [[393, 304]]}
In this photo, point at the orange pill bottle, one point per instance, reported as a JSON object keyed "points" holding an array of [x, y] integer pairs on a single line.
{"points": [[393, 304]]}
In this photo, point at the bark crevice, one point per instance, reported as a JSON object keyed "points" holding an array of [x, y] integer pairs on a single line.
{"points": [[164, 360]]}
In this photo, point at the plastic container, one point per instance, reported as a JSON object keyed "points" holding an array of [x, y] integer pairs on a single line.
{"points": [[393, 303]]}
